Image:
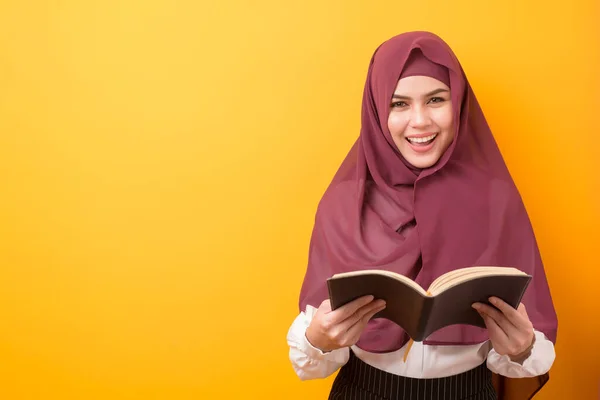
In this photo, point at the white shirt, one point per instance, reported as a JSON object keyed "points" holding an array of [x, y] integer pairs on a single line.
{"points": [[423, 361]]}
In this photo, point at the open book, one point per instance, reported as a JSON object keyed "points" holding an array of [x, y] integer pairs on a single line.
{"points": [[447, 301]]}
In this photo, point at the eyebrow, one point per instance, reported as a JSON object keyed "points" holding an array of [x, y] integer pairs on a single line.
{"points": [[436, 91]]}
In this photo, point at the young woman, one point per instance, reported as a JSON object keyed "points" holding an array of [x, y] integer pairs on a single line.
{"points": [[423, 191]]}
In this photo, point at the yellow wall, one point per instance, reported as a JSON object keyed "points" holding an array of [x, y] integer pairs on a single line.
{"points": [[160, 163]]}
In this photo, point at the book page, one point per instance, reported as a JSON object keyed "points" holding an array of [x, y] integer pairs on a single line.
{"points": [[458, 276]]}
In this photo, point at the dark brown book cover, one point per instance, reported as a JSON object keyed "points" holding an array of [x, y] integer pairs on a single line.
{"points": [[420, 315]]}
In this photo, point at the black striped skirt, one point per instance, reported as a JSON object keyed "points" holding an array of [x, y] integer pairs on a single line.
{"points": [[359, 380]]}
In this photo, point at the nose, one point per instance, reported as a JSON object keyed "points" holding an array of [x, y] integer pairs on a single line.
{"points": [[419, 117]]}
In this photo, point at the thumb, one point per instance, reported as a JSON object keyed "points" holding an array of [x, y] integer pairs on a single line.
{"points": [[325, 306]]}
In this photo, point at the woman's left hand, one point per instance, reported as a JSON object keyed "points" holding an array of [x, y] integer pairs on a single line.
{"points": [[511, 332]]}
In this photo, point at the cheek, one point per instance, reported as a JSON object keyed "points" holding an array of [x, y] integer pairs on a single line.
{"points": [[444, 119], [396, 124]]}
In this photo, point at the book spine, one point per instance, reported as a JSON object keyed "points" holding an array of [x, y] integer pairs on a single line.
{"points": [[425, 317], [329, 292]]}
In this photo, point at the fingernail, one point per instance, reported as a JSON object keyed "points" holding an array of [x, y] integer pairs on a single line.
{"points": [[476, 306], [493, 300]]}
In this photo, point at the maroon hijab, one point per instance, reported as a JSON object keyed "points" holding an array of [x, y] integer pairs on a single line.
{"points": [[380, 212]]}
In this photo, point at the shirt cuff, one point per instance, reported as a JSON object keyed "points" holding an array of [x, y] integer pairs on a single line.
{"points": [[537, 363]]}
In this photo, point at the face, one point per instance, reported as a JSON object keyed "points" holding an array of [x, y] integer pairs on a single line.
{"points": [[420, 119]]}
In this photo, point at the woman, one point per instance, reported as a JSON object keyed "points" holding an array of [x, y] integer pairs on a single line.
{"points": [[423, 191]]}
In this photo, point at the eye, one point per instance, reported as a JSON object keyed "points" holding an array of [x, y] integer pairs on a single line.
{"points": [[437, 100], [399, 104]]}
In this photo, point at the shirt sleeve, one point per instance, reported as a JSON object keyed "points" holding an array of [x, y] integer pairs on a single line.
{"points": [[308, 361]]}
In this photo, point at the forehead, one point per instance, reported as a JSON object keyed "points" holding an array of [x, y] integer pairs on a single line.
{"points": [[419, 85]]}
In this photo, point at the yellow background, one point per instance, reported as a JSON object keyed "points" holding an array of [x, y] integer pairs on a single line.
{"points": [[161, 160]]}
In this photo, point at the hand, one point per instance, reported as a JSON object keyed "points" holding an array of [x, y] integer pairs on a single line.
{"points": [[330, 330], [511, 332]]}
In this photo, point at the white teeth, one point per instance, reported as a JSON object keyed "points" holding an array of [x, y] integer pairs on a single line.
{"points": [[423, 139]]}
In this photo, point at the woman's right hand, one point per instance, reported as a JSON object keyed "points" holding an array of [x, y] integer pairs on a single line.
{"points": [[330, 330]]}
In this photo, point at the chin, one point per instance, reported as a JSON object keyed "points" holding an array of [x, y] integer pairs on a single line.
{"points": [[422, 162], [422, 165]]}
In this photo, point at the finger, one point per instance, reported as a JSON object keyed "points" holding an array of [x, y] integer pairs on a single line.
{"points": [[517, 317], [498, 318], [374, 306], [350, 308], [325, 306], [497, 335], [513, 315], [529, 325], [355, 330], [523, 311], [338, 333]]}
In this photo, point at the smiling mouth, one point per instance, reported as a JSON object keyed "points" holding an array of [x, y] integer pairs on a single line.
{"points": [[422, 141]]}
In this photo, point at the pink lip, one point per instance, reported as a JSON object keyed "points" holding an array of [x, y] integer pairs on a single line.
{"points": [[421, 149]]}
